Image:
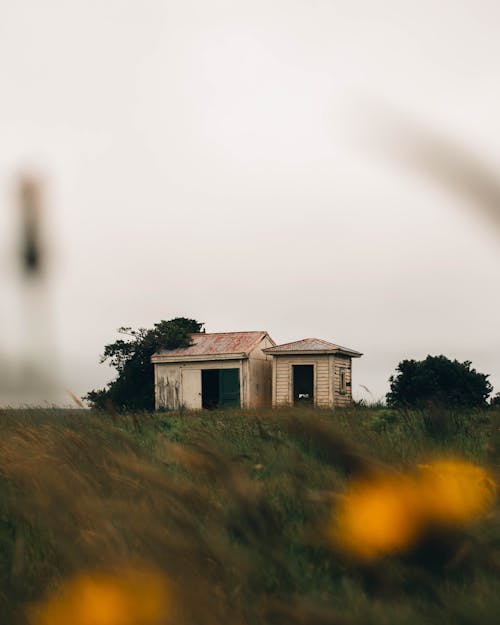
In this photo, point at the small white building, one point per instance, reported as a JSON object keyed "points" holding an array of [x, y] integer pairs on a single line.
{"points": [[312, 371], [219, 370]]}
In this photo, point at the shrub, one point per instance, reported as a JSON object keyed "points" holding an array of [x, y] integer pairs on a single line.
{"points": [[438, 381]]}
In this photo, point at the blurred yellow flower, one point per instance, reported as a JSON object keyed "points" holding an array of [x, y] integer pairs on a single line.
{"points": [[129, 598], [456, 492], [378, 517], [388, 514]]}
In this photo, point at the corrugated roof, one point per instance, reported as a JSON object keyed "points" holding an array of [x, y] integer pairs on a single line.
{"points": [[216, 344], [311, 345]]}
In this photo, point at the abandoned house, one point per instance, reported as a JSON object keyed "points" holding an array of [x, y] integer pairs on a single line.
{"points": [[219, 370], [311, 371], [248, 370]]}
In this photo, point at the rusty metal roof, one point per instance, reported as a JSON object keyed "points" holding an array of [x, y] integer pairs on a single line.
{"points": [[215, 344], [311, 346]]}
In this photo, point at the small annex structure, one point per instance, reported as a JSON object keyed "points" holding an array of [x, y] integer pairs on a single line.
{"points": [[218, 370], [312, 372]]}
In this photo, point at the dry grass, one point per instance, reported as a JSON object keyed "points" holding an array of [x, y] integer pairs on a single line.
{"points": [[233, 511]]}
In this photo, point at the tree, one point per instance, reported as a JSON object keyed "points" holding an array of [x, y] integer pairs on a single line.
{"points": [[438, 381], [133, 388], [495, 401]]}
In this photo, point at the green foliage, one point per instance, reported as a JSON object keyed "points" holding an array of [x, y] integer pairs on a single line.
{"points": [[495, 401], [438, 381], [383, 419], [133, 388]]}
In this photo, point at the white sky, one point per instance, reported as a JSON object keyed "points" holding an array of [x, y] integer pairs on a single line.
{"points": [[213, 159]]}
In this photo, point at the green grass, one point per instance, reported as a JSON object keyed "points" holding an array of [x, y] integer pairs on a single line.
{"points": [[233, 507]]}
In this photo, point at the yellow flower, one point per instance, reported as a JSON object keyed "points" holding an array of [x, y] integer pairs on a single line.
{"points": [[378, 517], [388, 514], [130, 598], [456, 492]]}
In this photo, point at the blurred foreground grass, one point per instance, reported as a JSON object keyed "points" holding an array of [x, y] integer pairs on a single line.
{"points": [[226, 517]]}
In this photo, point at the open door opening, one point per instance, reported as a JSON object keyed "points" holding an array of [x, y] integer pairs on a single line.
{"points": [[303, 385], [210, 388], [220, 388]]}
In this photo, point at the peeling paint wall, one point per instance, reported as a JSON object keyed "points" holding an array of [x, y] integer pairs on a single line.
{"points": [[168, 386], [171, 394], [260, 376], [255, 380]]}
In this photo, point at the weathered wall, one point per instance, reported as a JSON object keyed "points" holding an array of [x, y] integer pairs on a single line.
{"points": [[327, 391], [342, 397], [260, 376], [170, 392], [255, 380], [167, 386]]}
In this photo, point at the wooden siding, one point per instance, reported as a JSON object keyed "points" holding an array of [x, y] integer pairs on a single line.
{"points": [[342, 397], [322, 375], [168, 386], [327, 368], [263, 376], [255, 378], [260, 375], [169, 392], [283, 379]]}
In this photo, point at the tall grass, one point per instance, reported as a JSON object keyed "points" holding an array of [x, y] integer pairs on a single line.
{"points": [[234, 509]]}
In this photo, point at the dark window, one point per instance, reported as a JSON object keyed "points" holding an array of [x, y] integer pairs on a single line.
{"points": [[343, 381]]}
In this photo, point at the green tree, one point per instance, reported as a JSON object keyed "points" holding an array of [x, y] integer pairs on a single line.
{"points": [[438, 381], [495, 401], [133, 388]]}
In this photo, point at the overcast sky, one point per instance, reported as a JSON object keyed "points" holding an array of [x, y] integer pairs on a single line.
{"points": [[215, 159]]}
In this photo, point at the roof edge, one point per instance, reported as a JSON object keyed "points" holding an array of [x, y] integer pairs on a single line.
{"points": [[162, 359], [311, 352], [163, 355]]}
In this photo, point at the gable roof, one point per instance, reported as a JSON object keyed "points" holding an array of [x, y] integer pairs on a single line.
{"points": [[311, 346], [216, 344]]}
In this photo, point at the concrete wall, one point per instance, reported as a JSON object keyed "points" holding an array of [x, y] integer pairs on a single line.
{"points": [[327, 375]]}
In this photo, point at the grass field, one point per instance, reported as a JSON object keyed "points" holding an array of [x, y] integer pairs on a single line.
{"points": [[231, 515]]}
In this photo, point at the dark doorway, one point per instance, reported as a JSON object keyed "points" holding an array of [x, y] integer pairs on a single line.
{"points": [[303, 385], [229, 388], [210, 388], [220, 388]]}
